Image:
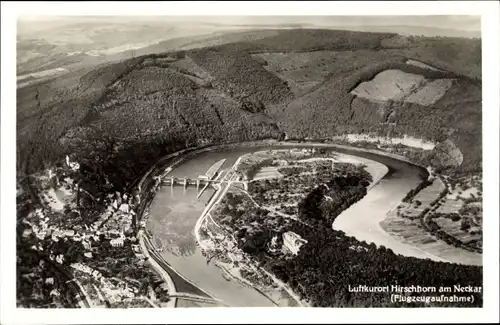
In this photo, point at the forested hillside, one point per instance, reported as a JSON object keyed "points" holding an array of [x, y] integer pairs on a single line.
{"points": [[294, 83]]}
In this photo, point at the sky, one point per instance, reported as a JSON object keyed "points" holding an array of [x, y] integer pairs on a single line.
{"points": [[468, 23], [435, 25]]}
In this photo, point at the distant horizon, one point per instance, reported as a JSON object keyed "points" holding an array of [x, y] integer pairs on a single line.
{"points": [[470, 26]]}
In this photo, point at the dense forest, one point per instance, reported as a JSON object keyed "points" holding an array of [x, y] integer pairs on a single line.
{"points": [[327, 265]]}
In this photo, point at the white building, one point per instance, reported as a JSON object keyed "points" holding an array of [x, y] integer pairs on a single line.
{"points": [[69, 233], [60, 259], [86, 245], [27, 232], [55, 292], [73, 165], [124, 208], [293, 242], [118, 242]]}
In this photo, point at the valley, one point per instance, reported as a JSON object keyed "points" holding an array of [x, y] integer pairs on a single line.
{"points": [[334, 105]]}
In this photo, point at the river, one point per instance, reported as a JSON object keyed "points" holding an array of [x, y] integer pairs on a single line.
{"points": [[175, 210]]}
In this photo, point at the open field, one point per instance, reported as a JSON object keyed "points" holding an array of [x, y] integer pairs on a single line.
{"points": [[396, 85], [430, 93], [267, 172], [421, 201], [389, 85], [59, 198], [406, 223], [451, 205], [453, 228]]}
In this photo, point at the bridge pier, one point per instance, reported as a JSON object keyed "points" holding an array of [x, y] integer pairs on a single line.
{"points": [[171, 181]]}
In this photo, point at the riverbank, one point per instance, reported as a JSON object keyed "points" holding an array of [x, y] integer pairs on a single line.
{"points": [[177, 158], [164, 275], [233, 268], [171, 161], [238, 261]]}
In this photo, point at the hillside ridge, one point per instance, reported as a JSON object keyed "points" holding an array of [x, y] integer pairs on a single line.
{"points": [[233, 87]]}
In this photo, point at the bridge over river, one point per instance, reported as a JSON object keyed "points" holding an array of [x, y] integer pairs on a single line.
{"points": [[211, 176]]}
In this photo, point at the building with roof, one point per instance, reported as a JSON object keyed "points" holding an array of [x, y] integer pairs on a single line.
{"points": [[293, 242]]}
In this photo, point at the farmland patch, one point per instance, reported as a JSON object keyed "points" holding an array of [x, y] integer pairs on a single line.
{"points": [[397, 85], [389, 85], [431, 92]]}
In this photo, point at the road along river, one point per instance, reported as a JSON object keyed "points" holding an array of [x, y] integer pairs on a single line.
{"points": [[174, 212]]}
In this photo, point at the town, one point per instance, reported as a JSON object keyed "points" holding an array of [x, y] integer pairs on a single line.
{"points": [[108, 266]]}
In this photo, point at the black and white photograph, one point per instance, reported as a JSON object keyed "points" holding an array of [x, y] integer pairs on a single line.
{"points": [[177, 161]]}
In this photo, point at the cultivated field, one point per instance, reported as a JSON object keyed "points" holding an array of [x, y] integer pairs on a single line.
{"points": [[411, 232], [396, 85], [406, 223], [453, 228], [431, 92], [421, 201], [267, 172], [450, 206], [389, 85]]}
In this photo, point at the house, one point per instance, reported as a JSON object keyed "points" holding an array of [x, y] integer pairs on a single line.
{"points": [[86, 245], [69, 233], [293, 242], [73, 165], [88, 254], [41, 234], [358, 248], [49, 281], [114, 232], [60, 259], [27, 232], [117, 242], [55, 292], [57, 233], [124, 207]]}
